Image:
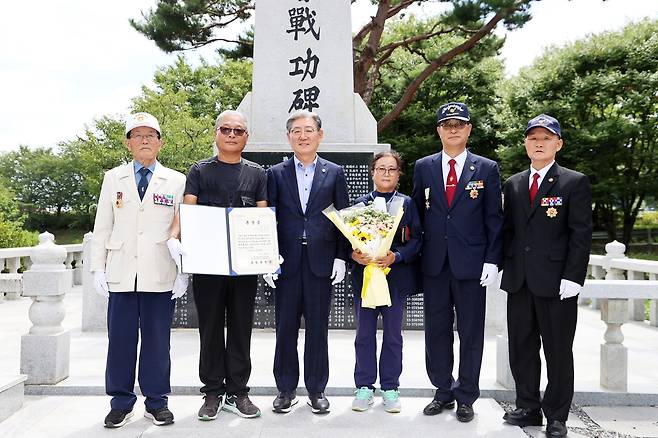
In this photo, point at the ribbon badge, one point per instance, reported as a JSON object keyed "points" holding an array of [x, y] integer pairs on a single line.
{"points": [[119, 200], [427, 198], [167, 200]]}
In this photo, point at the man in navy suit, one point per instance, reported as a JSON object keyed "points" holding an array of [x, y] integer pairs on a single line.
{"points": [[314, 255], [459, 201]]}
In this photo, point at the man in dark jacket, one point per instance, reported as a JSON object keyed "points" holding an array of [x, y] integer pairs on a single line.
{"points": [[547, 235]]}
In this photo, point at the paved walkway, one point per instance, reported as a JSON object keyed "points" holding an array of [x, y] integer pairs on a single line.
{"points": [[63, 415]]}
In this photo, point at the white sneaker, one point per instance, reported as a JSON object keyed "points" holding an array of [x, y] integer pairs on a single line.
{"points": [[391, 401], [363, 400]]}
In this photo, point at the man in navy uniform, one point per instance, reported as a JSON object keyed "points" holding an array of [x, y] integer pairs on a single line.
{"points": [[547, 236], [314, 255], [131, 265], [459, 200]]}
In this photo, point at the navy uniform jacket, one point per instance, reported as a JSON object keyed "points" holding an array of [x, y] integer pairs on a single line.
{"points": [[470, 230], [402, 277], [325, 243], [550, 239]]}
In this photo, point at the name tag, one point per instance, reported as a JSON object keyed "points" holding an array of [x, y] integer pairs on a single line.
{"points": [[474, 185], [554, 201], [167, 200]]}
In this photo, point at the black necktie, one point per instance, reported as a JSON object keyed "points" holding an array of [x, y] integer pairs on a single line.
{"points": [[143, 183]]}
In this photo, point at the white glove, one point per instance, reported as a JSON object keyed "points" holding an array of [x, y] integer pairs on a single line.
{"points": [[569, 289], [270, 279], [338, 271], [100, 284], [176, 250], [489, 274], [180, 286]]}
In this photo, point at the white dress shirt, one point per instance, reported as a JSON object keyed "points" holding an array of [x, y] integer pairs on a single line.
{"points": [[459, 166], [542, 173]]}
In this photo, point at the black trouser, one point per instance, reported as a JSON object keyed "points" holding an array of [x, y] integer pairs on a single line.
{"points": [[225, 365], [530, 318]]}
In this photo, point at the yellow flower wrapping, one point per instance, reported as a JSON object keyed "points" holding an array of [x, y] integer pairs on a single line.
{"points": [[375, 290]]}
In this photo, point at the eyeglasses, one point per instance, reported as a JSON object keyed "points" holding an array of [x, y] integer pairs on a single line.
{"points": [[298, 132], [386, 170], [238, 132], [141, 137], [456, 125]]}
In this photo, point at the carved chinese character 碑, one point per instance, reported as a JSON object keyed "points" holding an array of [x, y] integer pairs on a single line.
{"points": [[305, 99], [310, 65], [303, 20]]}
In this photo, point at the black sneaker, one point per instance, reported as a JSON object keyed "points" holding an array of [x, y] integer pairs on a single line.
{"points": [[160, 417], [211, 404], [241, 405], [117, 418], [284, 401]]}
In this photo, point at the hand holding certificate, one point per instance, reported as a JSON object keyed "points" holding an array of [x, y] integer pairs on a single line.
{"points": [[229, 241]]}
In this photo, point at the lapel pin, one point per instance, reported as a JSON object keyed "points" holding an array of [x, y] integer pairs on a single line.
{"points": [[324, 170], [550, 180], [472, 167]]}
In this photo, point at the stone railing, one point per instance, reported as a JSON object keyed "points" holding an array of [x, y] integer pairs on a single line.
{"points": [[616, 266], [14, 260], [619, 287]]}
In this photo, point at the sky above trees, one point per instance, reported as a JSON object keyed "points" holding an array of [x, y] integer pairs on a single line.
{"points": [[80, 60]]}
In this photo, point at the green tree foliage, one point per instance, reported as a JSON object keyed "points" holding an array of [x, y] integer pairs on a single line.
{"points": [[473, 79], [603, 92], [467, 24], [59, 189], [11, 221]]}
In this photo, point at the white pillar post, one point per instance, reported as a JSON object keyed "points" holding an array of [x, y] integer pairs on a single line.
{"points": [[94, 306], [45, 348]]}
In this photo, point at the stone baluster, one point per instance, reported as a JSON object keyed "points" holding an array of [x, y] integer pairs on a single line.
{"points": [[635, 306], [78, 270], [13, 265], [613, 250], [69, 260], [582, 301], [45, 348], [614, 356], [653, 306], [94, 306], [503, 371], [598, 273]]}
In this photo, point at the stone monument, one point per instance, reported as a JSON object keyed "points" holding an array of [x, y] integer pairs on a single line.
{"points": [[303, 60]]}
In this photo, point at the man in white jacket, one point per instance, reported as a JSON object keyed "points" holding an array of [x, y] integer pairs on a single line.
{"points": [[133, 268]]}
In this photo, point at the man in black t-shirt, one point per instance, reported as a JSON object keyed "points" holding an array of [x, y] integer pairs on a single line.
{"points": [[226, 180]]}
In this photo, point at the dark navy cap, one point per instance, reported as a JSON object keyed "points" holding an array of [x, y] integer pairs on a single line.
{"points": [[544, 121], [453, 110]]}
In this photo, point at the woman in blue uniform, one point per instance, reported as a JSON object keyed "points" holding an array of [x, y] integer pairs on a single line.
{"points": [[386, 169]]}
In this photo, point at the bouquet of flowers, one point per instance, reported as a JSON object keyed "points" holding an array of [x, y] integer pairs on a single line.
{"points": [[370, 229]]}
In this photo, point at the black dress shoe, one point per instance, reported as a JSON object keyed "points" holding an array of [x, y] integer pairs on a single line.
{"points": [[437, 406], [524, 417], [556, 428], [465, 412], [284, 401], [318, 403]]}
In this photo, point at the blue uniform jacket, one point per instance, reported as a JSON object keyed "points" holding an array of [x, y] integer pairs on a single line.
{"points": [[469, 231], [324, 241], [402, 277]]}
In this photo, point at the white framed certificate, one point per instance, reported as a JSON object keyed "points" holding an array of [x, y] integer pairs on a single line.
{"points": [[229, 241]]}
